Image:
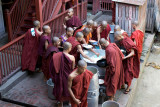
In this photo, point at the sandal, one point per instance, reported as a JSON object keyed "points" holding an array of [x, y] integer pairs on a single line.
{"points": [[126, 92]]}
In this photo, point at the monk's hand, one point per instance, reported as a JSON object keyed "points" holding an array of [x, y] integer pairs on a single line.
{"points": [[77, 101], [124, 58], [97, 54], [64, 26], [91, 60]]}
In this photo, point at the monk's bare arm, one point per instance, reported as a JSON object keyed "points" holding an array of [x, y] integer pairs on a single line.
{"points": [[94, 52], [70, 79], [82, 53], [135, 41], [130, 54], [84, 41], [98, 34], [46, 44], [64, 24], [73, 64], [108, 37]]}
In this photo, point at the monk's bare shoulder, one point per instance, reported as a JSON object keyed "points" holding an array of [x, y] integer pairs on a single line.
{"points": [[73, 75]]}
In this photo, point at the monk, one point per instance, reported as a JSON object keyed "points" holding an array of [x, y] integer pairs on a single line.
{"points": [[131, 62], [114, 77], [88, 36], [45, 40], [51, 50], [71, 20], [137, 37], [30, 48], [68, 34], [103, 31], [77, 49], [61, 65], [118, 28], [78, 84], [94, 31]]}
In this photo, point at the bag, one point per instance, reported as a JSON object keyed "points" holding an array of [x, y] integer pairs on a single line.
{"points": [[102, 63]]}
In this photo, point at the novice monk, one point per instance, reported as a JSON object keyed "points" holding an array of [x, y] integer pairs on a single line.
{"points": [[45, 40], [51, 50], [61, 65], [103, 31], [69, 33], [78, 84], [137, 37], [77, 49], [118, 28], [114, 77], [71, 20], [30, 48], [94, 31], [131, 62], [88, 36]]}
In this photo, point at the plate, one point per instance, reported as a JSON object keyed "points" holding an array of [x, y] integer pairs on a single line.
{"points": [[92, 41], [101, 81], [87, 46]]}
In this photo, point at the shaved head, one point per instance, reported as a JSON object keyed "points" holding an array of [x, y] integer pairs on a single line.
{"points": [[95, 24], [70, 10], [55, 40], [45, 27], [90, 22], [82, 63], [117, 28], [67, 46], [103, 41], [86, 30], [104, 23], [135, 23], [36, 23], [79, 35], [117, 33], [69, 29]]}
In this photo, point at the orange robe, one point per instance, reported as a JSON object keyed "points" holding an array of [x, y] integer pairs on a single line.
{"points": [[138, 37], [80, 85], [87, 38], [114, 77]]}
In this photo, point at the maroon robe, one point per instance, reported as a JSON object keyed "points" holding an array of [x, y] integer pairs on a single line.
{"points": [[138, 37], [132, 64], [94, 35], [80, 85], [74, 51], [105, 32], [48, 56], [42, 52], [60, 68], [73, 22], [30, 51], [70, 39], [114, 77]]}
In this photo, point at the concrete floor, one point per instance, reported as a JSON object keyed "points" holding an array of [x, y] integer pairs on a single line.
{"points": [[148, 89]]}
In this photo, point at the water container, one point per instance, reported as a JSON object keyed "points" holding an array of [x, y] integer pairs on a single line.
{"points": [[110, 104], [93, 91], [50, 89]]}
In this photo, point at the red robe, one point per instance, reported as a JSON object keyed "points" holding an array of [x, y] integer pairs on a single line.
{"points": [[60, 68], [94, 35], [114, 77], [30, 51], [74, 51], [42, 52], [104, 33], [131, 65], [48, 56], [73, 22], [70, 39], [138, 37], [80, 85]]}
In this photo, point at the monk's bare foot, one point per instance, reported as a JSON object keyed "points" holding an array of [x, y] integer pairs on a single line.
{"points": [[127, 91]]}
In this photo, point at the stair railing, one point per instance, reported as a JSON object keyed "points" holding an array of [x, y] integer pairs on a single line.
{"points": [[15, 16]]}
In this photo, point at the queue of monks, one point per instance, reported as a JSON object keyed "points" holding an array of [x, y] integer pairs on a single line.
{"points": [[68, 72]]}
